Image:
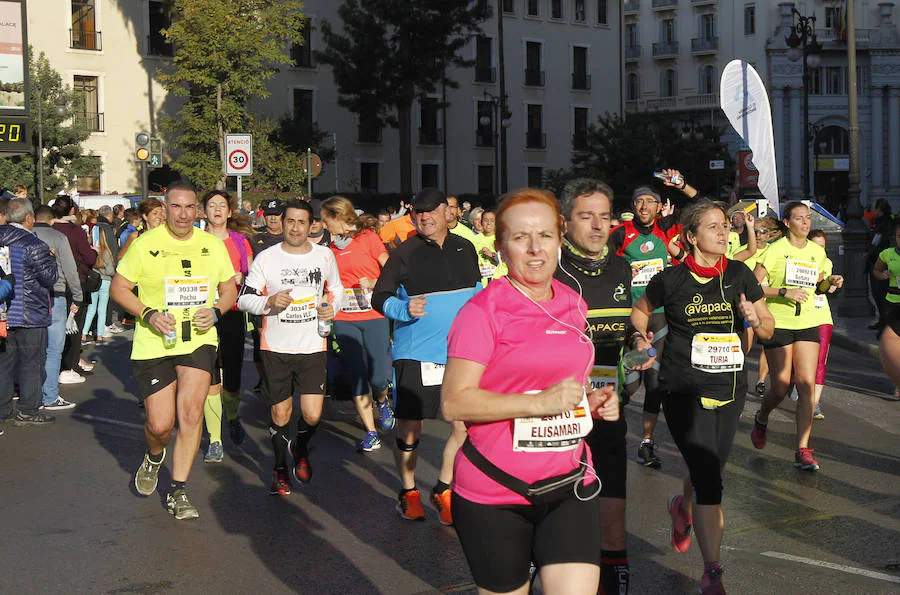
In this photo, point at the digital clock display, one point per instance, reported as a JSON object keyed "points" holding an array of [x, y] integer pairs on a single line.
{"points": [[14, 134]]}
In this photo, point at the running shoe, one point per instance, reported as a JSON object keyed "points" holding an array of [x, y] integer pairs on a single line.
{"points": [[761, 388], [794, 396], [236, 430], [71, 377], [803, 459], [409, 506], [115, 328], [281, 483], [441, 503], [86, 365], [711, 583], [147, 475], [38, 419], [59, 404], [387, 415], [302, 470], [646, 455], [179, 506], [86, 340], [370, 442], [758, 435], [215, 453], [681, 525], [817, 413]]}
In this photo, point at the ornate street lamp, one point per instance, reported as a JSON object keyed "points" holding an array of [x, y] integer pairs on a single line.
{"points": [[802, 44]]}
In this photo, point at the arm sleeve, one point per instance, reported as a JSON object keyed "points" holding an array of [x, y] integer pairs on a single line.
{"points": [[46, 270], [616, 237], [226, 268], [656, 290], [84, 251], [392, 276], [70, 271], [253, 296], [472, 335]]}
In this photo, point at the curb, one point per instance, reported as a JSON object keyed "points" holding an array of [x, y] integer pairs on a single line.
{"points": [[842, 339]]}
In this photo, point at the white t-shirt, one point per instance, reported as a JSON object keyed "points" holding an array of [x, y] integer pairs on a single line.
{"points": [[309, 276]]}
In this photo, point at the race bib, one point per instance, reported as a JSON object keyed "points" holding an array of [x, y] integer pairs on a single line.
{"points": [[605, 376], [553, 433], [800, 273], [820, 301], [487, 270], [300, 310], [647, 269], [717, 352], [357, 299], [432, 374], [187, 292]]}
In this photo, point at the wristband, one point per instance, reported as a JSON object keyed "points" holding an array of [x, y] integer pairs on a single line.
{"points": [[782, 292], [146, 314], [680, 255], [217, 313]]}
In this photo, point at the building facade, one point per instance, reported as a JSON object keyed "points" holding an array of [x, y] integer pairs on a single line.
{"points": [[562, 69]]}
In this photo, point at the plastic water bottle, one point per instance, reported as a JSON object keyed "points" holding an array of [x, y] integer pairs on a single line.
{"points": [[324, 326], [676, 179], [169, 339], [637, 357]]}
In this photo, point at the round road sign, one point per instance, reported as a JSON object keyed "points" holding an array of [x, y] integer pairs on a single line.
{"points": [[315, 165], [237, 159]]}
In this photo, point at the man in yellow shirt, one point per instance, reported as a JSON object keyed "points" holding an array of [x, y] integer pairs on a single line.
{"points": [[185, 281]]}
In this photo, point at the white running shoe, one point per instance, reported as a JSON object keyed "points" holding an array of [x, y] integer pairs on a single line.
{"points": [[71, 377]]}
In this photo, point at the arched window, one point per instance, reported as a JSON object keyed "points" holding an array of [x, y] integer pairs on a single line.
{"points": [[668, 85], [707, 83], [633, 88], [836, 141]]}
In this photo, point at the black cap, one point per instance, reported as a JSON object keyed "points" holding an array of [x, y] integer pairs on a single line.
{"points": [[428, 199], [316, 205], [273, 207]]}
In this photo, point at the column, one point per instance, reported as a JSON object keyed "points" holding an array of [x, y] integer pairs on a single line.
{"points": [[877, 139], [894, 136], [797, 134], [778, 130]]}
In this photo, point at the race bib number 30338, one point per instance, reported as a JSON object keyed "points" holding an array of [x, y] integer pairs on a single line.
{"points": [[187, 292]]}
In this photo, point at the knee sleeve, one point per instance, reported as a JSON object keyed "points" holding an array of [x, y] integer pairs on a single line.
{"points": [[403, 446]]}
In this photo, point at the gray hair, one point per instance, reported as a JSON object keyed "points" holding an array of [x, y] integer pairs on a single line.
{"points": [[105, 211], [18, 210], [181, 186], [581, 187]]}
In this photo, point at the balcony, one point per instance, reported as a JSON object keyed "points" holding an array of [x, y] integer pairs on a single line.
{"points": [[632, 6], [534, 78], [84, 39], [665, 4], [581, 81], [665, 49], [368, 134], [431, 136], [663, 103], [535, 139], [703, 2], [704, 45], [580, 142], [92, 120], [632, 105], [484, 138], [702, 100], [485, 74], [632, 52]]}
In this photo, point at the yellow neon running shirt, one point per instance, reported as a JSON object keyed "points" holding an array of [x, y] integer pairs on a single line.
{"points": [[181, 276], [822, 311], [793, 268], [891, 258]]}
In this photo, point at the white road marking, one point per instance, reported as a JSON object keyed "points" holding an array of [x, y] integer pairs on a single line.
{"points": [[107, 420], [849, 569]]}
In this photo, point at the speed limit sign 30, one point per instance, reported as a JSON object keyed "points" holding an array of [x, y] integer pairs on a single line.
{"points": [[238, 154]]}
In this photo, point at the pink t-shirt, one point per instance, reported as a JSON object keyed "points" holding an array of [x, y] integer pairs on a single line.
{"points": [[522, 350]]}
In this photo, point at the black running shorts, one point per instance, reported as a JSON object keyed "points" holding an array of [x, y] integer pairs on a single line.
{"points": [[501, 541], [783, 337], [414, 401], [608, 450], [153, 375], [285, 374]]}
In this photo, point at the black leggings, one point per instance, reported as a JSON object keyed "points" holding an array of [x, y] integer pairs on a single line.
{"points": [[650, 376], [231, 329], [704, 437]]}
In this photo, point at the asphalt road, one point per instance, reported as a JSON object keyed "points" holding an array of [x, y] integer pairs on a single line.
{"points": [[74, 524]]}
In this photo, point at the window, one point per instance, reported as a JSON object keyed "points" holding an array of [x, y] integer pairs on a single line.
{"points": [[484, 62], [836, 139], [534, 136], [750, 20], [556, 9], [602, 16], [633, 87], [302, 54], [707, 83], [368, 178], [484, 133], [833, 18], [84, 35], [534, 8], [485, 179], [631, 35], [303, 111], [88, 111], [579, 128], [509, 6], [431, 175], [535, 176], [668, 87], [534, 76], [829, 80], [429, 131], [369, 128], [667, 31], [708, 26], [159, 20], [580, 77], [580, 11]]}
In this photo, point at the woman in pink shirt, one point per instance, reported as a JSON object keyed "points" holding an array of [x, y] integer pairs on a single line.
{"points": [[518, 374]]}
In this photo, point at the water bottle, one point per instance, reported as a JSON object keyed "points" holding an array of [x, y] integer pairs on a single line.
{"points": [[170, 339], [676, 179], [324, 326], [637, 357]]}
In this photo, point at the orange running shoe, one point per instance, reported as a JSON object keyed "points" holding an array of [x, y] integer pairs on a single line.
{"points": [[409, 506], [441, 503]]}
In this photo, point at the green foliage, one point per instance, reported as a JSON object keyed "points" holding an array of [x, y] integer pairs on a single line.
{"points": [[225, 52], [62, 133]]}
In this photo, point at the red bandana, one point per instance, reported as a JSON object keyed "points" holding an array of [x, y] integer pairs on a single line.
{"points": [[702, 271]]}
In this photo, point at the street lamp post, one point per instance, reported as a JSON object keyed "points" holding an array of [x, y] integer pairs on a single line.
{"points": [[802, 44], [812, 136], [498, 120]]}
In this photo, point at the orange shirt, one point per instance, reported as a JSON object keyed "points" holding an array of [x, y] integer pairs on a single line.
{"points": [[359, 260], [398, 230]]}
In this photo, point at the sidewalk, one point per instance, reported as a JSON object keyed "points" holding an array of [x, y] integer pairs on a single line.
{"points": [[854, 334]]}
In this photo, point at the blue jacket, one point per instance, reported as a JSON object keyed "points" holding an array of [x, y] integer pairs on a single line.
{"points": [[35, 270]]}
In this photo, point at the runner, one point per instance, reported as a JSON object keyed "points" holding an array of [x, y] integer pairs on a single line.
{"points": [[362, 333], [826, 322], [793, 267], [453, 222], [177, 270], [422, 287], [294, 285], [489, 262], [603, 279], [887, 268], [519, 376], [707, 302]]}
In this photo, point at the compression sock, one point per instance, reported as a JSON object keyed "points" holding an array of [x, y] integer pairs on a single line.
{"points": [[615, 575], [156, 459], [304, 435], [232, 403], [439, 487], [212, 415], [280, 443], [176, 485]]}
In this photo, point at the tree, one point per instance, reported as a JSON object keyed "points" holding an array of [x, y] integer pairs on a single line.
{"points": [[225, 51], [62, 133], [391, 51]]}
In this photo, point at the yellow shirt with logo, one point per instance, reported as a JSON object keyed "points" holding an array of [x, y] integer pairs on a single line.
{"points": [[489, 270], [734, 245], [178, 276], [891, 258], [793, 268]]}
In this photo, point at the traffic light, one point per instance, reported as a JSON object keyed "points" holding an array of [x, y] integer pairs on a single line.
{"points": [[156, 152], [142, 147]]}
